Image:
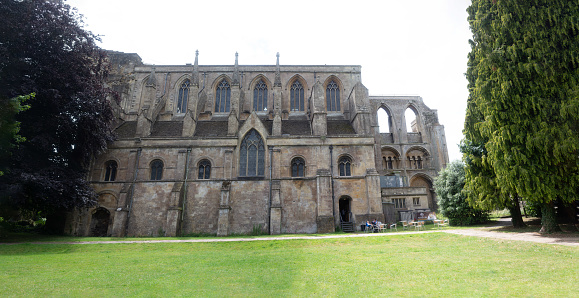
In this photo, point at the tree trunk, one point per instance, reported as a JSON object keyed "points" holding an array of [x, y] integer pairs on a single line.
{"points": [[516, 217], [549, 220]]}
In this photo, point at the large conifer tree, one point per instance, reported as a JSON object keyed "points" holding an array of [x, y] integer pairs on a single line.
{"points": [[524, 99]]}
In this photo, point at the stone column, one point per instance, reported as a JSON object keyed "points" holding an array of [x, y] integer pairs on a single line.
{"points": [[122, 212], [174, 211], [224, 209], [325, 218], [275, 212], [374, 194]]}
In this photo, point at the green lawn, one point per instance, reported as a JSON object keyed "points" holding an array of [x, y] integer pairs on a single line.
{"points": [[434, 264]]}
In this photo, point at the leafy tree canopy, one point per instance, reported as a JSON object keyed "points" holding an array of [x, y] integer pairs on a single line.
{"points": [[44, 50], [9, 127], [452, 200]]}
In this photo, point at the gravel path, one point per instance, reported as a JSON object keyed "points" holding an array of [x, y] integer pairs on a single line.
{"points": [[556, 239]]}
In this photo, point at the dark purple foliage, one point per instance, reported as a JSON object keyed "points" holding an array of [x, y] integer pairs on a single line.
{"points": [[44, 49]]}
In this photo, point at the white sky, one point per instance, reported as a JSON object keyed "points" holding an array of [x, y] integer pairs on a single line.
{"points": [[405, 47]]}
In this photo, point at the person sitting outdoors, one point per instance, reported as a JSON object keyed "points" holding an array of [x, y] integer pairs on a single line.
{"points": [[368, 226]]}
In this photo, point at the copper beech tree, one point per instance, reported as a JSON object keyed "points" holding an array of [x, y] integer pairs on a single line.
{"points": [[45, 50]]}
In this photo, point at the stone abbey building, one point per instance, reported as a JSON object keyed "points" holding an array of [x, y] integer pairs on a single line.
{"points": [[277, 148]]}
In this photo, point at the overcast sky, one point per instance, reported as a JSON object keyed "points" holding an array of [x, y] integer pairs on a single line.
{"points": [[405, 47]]}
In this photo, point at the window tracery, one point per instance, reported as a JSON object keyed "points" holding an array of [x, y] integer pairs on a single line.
{"points": [[252, 155], [222, 97], [344, 164], [333, 96], [183, 97], [298, 167], [297, 96], [260, 96]]}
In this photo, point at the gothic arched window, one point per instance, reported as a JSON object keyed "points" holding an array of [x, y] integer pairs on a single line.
{"points": [[344, 164], [333, 96], [260, 96], [252, 156], [222, 97], [298, 167], [110, 170], [183, 97], [297, 96], [156, 169], [204, 169]]}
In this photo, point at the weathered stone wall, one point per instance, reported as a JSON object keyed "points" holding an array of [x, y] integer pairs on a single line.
{"points": [[299, 206], [148, 211], [150, 127]]}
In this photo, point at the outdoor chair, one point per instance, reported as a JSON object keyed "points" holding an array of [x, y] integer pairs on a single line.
{"points": [[393, 226], [442, 223], [419, 225], [405, 225]]}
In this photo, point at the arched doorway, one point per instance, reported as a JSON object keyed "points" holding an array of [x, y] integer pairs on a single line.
{"points": [[426, 182], [99, 224], [345, 209]]}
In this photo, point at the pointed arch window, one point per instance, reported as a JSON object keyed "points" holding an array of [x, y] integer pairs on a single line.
{"points": [[156, 169], [110, 170], [298, 167], [204, 169], [333, 96], [252, 156], [297, 96], [222, 97], [344, 164], [260, 96], [183, 97]]}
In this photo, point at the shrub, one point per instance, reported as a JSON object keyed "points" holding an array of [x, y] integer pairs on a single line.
{"points": [[452, 200]]}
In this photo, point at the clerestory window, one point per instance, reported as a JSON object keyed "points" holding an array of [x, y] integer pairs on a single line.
{"points": [[222, 97], [183, 97], [297, 96], [333, 97], [260, 96]]}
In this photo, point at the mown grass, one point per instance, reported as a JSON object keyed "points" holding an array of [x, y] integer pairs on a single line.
{"points": [[432, 264]]}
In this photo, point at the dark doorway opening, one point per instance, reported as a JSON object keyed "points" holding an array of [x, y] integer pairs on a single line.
{"points": [[100, 222], [345, 210]]}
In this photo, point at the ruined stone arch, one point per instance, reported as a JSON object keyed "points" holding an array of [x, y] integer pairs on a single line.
{"points": [[423, 180], [390, 158], [417, 157], [390, 118], [417, 128]]}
